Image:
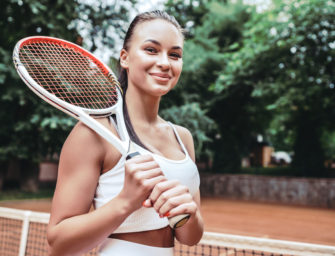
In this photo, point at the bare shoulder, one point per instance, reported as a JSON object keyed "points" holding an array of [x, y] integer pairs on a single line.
{"points": [[183, 132], [187, 139], [80, 131], [82, 139]]}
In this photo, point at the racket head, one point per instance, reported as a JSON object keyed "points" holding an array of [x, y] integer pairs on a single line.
{"points": [[67, 76]]}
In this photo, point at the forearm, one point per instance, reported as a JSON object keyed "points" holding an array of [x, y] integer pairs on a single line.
{"points": [[191, 233], [81, 233]]}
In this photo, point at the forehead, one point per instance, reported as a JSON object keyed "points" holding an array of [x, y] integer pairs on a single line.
{"points": [[159, 30]]}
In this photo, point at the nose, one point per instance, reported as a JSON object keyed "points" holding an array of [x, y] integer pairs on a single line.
{"points": [[163, 61]]}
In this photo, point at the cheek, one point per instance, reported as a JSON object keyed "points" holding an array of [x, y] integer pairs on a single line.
{"points": [[177, 70], [142, 62]]}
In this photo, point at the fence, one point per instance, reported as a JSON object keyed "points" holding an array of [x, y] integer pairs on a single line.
{"points": [[23, 233]]}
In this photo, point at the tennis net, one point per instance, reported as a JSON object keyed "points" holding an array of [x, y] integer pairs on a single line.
{"points": [[23, 233]]}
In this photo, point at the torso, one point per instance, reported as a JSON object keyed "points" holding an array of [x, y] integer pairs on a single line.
{"points": [[164, 144]]}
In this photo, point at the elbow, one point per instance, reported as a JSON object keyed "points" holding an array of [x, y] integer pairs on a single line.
{"points": [[54, 251], [54, 247], [51, 242], [59, 244], [195, 236], [197, 240], [193, 240], [50, 237]]}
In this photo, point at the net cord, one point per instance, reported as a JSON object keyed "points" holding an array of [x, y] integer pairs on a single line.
{"points": [[209, 238]]}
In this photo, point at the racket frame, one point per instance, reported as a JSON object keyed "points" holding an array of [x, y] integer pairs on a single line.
{"points": [[85, 115]]}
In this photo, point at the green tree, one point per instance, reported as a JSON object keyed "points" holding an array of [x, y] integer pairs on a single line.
{"points": [[188, 13], [286, 57], [32, 130], [194, 118]]}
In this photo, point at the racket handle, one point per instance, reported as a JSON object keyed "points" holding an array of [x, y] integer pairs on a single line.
{"points": [[131, 155], [178, 221], [131, 151]]}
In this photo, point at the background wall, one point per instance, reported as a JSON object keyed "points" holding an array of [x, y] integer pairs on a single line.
{"points": [[297, 191]]}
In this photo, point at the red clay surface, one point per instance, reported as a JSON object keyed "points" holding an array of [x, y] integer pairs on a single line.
{"points": [[293, 223]]}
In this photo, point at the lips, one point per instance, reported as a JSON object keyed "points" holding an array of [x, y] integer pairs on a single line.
{"points": [[161, 76]]}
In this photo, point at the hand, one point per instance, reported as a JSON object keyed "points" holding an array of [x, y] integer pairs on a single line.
{"points": [[142, 173], [170, 198]]}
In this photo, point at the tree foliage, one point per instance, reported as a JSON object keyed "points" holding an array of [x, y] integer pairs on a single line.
{"points": [[286, 57], [194, 118], [269, 72], [30, 128]]}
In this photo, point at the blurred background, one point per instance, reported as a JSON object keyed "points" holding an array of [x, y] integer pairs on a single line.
{"points": [[257, 88]]}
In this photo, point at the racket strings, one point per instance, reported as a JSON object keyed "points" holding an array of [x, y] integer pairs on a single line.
{"points": [[69, 75]]}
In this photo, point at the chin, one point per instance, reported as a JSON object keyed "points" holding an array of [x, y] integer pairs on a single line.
{"points": [[161, 90]]}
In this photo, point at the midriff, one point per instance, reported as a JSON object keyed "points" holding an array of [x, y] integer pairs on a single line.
{"points": [[159, 238]]}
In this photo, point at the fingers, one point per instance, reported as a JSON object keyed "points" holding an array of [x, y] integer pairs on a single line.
{"points": [[175, 204], [189, 208], [157, 192], [170, 198], [142, 173], [165, 190], [142, 167]]}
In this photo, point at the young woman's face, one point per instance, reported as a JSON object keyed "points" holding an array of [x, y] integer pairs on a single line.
{"points": [[154, 58]]}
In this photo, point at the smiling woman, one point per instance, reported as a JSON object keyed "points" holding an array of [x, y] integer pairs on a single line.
{"points": [[134, 199], [154, 61]]}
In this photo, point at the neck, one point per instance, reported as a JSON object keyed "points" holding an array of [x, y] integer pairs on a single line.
{"points": [[142, 108]]}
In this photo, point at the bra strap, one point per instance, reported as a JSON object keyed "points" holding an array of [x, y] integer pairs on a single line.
{"points": [[178, 138]]}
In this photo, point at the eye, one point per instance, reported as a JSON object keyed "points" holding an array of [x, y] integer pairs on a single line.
{"points": [[151, 50], [175, 55]]}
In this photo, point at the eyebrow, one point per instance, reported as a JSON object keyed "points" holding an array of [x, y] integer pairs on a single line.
{"points": [[158, 43]]}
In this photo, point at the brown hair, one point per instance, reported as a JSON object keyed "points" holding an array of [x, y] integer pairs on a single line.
{"points": [[123, 77]]}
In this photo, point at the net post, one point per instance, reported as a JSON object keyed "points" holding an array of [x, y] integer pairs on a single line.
{"points": [[24, 233]]}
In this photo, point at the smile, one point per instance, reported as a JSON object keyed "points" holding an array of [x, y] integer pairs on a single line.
{"points": [[161, 76]]}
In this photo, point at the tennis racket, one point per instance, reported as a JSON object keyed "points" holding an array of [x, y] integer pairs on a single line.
{"points": [[73, 80]]}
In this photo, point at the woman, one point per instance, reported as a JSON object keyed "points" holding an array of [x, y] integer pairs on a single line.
{"points": [[133, 198]]}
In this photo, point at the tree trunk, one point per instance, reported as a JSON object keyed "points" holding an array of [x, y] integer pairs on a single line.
{"points": [[309, 156], [29, 176]]}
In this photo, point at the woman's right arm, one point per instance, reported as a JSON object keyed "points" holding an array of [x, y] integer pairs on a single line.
{"points": [[73, 228]]}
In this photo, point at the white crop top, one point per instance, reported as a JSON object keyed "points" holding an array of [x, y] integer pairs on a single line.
{"points": [[111, 183]]}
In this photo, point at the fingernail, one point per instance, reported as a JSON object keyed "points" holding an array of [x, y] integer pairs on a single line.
{"points": [[147, 203], [167, 214]]}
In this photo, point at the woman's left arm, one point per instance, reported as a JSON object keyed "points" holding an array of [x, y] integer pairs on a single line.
{"points": [[192, 231]]}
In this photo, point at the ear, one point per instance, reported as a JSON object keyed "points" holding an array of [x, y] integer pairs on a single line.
{"points": [[124, 59]]}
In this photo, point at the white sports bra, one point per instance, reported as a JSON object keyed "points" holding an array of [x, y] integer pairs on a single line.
{"points": [[111, 183]]}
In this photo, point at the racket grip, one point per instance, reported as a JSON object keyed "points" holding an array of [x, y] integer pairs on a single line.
{"points": [[131, 151], [178, 221], [131, 155]]}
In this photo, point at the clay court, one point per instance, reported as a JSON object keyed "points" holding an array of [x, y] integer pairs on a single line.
{"points": [[293, 223]]}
